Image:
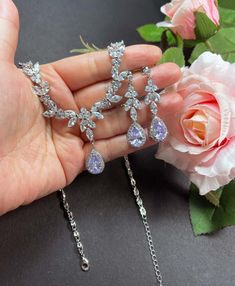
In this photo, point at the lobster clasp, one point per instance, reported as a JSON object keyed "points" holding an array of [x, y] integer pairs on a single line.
{"points": [[85, 265]]}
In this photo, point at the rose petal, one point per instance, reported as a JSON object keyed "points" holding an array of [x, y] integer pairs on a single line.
{"points": [[181, 13], [222, 163], [165, 24]]}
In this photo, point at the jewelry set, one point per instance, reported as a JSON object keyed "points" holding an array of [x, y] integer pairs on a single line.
{"points": [[136, 134]]}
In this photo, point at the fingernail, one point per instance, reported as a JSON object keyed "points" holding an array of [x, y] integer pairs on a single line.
{"points": [[4, 8]]}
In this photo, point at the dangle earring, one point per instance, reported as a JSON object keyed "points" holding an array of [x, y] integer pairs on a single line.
{"points": [[136, 136], [158, 130]]}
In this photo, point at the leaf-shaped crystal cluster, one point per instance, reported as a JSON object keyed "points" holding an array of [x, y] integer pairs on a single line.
{"points": [[132, 103], [111, 95], [83, 116], [86, 121], [71, 115], [116, 50], [152, 97], [32, 71], [42, 88]]}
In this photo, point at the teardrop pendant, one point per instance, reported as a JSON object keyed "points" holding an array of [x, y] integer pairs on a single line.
{"points": [[158, 130], [95, 162], [136, 136]]}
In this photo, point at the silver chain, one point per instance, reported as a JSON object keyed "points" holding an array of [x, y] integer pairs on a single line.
{"points": [[85, 265], [143, 214], [84, 261]]}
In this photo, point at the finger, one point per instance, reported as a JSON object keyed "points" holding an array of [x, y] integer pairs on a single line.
{"points": [[115, 147], [117, 121], [163, 75], [83, 70], [9, 30]]}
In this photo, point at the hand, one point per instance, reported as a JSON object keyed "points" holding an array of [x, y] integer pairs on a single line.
{"points": [[38, 155]]}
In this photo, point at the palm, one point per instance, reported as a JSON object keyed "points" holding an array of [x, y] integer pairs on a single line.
{"points": [[38, 155], [43, 155]]}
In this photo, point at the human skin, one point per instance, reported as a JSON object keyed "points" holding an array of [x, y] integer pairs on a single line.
{"points": [[39, 155]]}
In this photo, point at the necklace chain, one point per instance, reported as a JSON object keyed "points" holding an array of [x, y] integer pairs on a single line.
{"points": [[85, 265], [143, 215], [41, 88], [84, 261]]}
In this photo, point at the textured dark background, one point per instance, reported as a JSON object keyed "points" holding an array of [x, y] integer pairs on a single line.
{"points": [[36, 247]]}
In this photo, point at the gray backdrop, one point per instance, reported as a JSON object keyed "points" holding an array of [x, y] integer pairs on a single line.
{"points": [[36, 246]]}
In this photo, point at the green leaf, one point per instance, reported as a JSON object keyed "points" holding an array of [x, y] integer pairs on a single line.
{"points": [[205, 28], [206, 217], [230, 4], [222, 43], [214, 197], [151, 33], [174, 55], [227, 17], [197, 51], [87, 48], [230, 57], [191, 43], [171, 39]]}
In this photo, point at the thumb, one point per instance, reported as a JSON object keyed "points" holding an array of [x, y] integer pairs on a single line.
{"points": [[9, 30]]}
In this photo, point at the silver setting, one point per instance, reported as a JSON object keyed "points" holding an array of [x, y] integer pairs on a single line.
{"points": [[158, 130]]}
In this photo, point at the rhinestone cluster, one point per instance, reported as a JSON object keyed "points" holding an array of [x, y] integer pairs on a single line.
{"points": [[86, 119]]}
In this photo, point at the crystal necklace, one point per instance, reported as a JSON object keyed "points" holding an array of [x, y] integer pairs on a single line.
{"points": [[136, 136], [143, 214]]}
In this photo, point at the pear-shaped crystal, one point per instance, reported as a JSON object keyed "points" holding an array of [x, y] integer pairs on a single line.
{"points": [[158, 129], [136, 135], [95, 163]]}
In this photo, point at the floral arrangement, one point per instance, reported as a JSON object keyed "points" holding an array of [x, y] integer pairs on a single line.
{"points": [[199, 36]]}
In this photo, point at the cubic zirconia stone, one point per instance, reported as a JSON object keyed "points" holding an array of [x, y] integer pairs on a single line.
{"points": [[95, 163], [158, 129], [136, 135]]}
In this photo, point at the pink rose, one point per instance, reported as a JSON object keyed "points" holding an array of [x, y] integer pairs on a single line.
{"points": [[201, 139], [181, 13]]}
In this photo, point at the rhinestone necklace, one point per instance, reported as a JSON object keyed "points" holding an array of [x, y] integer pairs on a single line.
{"points": [[86, 118], [136, 136]]}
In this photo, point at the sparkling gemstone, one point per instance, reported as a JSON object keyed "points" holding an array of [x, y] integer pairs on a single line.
{"points": [[115, 98], [133, 114], [98, 115], [49, 113], [72, 122], [95, 162], [153, 107], [116, 50], [89, 134], [123, 75], [136, 135], [158, 129]]}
